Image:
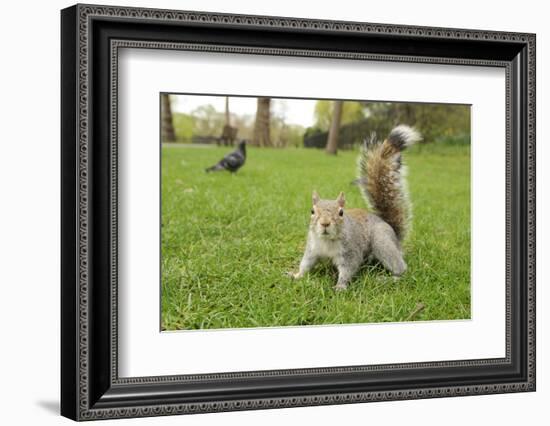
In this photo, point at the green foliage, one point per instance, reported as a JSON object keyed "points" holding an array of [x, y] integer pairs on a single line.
{"points": [[245, 124], [183, 126], [295, 135], [312, 131], [436, 122], [443, 123], [207, 121], [351, 112], [227, 241], [283, 134]]}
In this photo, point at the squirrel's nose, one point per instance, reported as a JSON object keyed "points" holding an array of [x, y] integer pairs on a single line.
{"points": [[325, 224]]}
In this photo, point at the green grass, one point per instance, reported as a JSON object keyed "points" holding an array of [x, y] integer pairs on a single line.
{"points": [[227, 241]]}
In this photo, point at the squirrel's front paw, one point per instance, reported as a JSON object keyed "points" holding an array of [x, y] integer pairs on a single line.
{"points": [[340, 287], [294, 275]]}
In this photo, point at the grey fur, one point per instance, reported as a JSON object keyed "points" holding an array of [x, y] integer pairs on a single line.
{"points": [[355, 241], [349, 238], [403, 136], [382, 177]]}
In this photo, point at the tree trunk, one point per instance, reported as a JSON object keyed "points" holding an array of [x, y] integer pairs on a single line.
{"points": [[227, 115], [261, 126], [332, 141], [167, 125]]}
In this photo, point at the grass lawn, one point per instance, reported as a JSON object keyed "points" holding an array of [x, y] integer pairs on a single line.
{"points": [[227, 241]]}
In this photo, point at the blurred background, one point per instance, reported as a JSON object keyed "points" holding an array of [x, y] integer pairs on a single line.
{"points": [[323, 124]]}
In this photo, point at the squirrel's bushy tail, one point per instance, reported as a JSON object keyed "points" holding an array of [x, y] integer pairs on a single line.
{"points": [[381, 177]]}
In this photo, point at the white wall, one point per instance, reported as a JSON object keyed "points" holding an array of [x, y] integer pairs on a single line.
{"points": [[29, 225]]}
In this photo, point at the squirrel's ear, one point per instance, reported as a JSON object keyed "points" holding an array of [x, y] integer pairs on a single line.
{"points": [[315, 197], [341, 199]]}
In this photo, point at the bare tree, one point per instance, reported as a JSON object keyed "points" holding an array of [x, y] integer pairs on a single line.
{"points": [[167, 124], [261, 127], [227, 114], [332, 140], [229, 133]]}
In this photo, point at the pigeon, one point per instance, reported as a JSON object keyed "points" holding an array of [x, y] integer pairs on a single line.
{"points": [[231, 162]]}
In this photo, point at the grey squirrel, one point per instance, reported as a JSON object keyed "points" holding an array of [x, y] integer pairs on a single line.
{"points": [[350, 236]]}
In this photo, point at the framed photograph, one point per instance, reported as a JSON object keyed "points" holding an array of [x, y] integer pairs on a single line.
{"points": [[263, 212]]}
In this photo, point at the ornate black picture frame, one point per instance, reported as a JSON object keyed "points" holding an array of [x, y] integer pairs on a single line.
{"points": [[91, 387]]}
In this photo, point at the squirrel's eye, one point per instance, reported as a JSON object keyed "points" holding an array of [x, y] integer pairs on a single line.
{"points": [[312, 211], [341, 212]]}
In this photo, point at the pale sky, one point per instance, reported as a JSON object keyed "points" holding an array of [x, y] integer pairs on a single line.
{"points": [[295, 111]]}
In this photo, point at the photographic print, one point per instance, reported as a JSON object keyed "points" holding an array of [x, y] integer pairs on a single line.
{"points": [[301, 212], [369, 239]]}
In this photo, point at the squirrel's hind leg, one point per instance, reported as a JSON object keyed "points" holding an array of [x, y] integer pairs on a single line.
{"points": [[386, 248]]}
